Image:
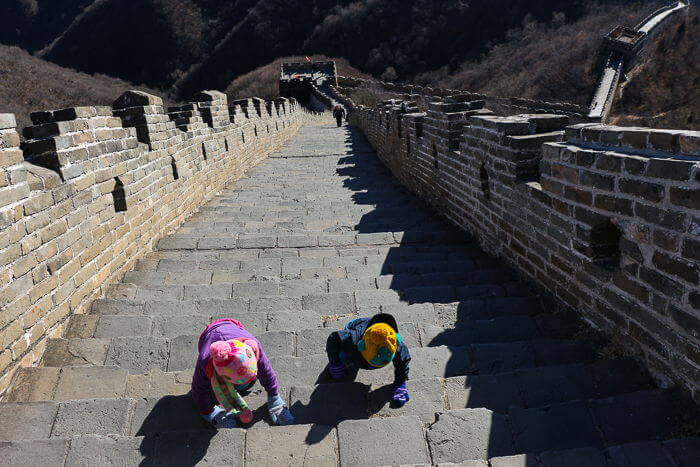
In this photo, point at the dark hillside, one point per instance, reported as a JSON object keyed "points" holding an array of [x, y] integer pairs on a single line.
{"points": [[663, 90], [555, 61], [30, 84], [33, 24], [197, 44]]}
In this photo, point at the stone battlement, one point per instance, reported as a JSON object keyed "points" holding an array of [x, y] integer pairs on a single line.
{"points": [[605, 219], [92, 190], [361, 89]]}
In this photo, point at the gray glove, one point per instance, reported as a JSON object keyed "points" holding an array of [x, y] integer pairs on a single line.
{"points": [[219, 418], [279, 413]]}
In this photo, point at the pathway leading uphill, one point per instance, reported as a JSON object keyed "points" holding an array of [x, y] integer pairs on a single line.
{"points": [[313, 237]]}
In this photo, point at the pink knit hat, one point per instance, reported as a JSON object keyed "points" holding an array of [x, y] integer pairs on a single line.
{"points": [[235, 361]]}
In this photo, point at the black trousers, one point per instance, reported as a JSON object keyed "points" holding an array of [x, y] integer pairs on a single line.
{"points": [[339, 120]]}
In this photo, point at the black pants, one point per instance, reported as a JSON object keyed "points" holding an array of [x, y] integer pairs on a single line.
{"points": [[339, 120]]}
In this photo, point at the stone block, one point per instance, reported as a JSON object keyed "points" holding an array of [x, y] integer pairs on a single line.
{"points": [[293, 320], [183, 352], [81, 326], [173, 326], [640, 416], [429, 362], [292, 445], [138, 354], [556, 427], [469, 434], [299, 370], [329, 304], [277, 343], [110, 450], [684, 451], [520, 460], [34, 452], [26, 420], [123, 326], [494, 392], [364, 442], [650, 454], [330, 404], [91, 382], [427, 399], [157, 415], [33, 384], [157, 383], [75, 352], [586, 457], [94, 416], [215, 447]]}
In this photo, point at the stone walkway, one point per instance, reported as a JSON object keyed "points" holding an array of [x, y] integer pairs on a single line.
{"points": [[314, 236]]}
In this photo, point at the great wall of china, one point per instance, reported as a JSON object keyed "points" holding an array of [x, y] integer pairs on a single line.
{"points": [[94, 188], [489, 226]]}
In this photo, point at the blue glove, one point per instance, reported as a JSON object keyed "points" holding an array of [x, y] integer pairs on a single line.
{"points": [[337, 371], [279, 413], [220, 418], [400, 395]]}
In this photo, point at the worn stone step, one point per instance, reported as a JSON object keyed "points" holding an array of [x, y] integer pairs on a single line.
{"points": [[269, 238], [138, 430], [443, 315], [298, 287], [526, 388], [140, 343]]}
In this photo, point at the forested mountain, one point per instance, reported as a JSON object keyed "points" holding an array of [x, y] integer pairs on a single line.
{"points": [[540, 49], [195, 44]]}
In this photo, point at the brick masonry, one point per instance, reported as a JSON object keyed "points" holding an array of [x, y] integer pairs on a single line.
{"points": [[606, 219], [367, 92], [92, 190]]}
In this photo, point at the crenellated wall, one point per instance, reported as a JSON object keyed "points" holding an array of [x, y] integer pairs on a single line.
{"points": [[368, 92], [92, 190], [606, 219]]}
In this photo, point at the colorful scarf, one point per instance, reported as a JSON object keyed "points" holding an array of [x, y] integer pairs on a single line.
{"points": [[227, 395]]}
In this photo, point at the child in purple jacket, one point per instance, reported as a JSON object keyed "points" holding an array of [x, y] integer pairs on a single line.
{"points": [[230, 360]]}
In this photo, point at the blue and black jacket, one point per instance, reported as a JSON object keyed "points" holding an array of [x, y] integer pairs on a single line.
{"points": [[342, 346]]}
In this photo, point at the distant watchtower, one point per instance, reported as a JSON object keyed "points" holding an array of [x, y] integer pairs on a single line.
{"points": [[298, 78]]}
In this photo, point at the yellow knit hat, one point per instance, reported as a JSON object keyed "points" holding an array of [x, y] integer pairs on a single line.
{"points": [[379, 344]]}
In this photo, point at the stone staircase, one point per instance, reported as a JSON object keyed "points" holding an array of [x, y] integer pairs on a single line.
{"points": [[313, 237]]}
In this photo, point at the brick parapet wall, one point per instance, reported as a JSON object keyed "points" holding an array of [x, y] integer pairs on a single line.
{"points": [[606, 219], [425, 95], [94, 188]]}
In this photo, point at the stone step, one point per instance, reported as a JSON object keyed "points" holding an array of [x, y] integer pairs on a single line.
{"points": [[444, 315], [502, 352], [124, 428], [390, 235], [462, 330], [554, 432], [375, 253], [273, 290], [167, 342], [299, 287], [205, 270], [526, 388]]}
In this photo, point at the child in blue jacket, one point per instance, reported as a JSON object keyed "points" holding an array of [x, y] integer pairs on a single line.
{"points": [[369, 344]]}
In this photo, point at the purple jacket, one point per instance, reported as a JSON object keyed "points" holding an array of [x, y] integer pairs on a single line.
{"points": [[223, 330]]}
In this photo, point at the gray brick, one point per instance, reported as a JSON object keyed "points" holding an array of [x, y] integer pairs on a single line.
{"points": [[26, 420], [364, 442], [94, 416], [469, 434], [110, 450], [33, 452]]}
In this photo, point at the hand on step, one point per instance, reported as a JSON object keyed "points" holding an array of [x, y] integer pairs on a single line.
{"points": [[400, 396]]}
